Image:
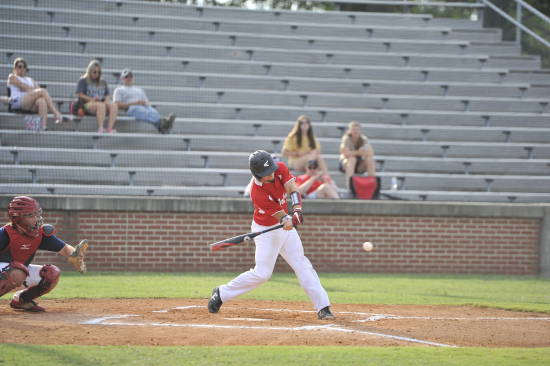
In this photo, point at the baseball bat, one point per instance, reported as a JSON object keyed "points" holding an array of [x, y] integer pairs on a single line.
{"points": [[222, 244]]}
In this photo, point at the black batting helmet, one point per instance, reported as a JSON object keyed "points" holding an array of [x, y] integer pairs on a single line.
{"points": [[261, 163]]}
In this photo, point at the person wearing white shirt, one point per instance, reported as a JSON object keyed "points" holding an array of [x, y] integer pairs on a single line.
{"points": [[27, 96]]}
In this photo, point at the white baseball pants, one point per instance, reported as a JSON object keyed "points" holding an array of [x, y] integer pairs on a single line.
{"points": [[288, 244]]}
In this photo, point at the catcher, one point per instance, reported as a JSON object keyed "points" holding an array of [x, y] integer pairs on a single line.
{"points": [[19, 241]]}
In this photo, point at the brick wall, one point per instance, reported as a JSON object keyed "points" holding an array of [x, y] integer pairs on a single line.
{"points": [[169, 241]]}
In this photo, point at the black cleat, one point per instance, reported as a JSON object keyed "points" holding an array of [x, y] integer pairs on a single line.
{"points": [[215, 302], [325, 314]]}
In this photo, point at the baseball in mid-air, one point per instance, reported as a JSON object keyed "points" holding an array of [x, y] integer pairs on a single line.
{"points": [[367, 246]]}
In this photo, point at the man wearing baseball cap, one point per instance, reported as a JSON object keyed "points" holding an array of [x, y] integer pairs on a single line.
{"points": [[133, 99]]}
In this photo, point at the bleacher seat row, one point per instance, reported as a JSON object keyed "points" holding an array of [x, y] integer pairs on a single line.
{"points": [[452, 111]]}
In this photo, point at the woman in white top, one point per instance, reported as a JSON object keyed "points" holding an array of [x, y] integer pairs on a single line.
{"points": [[26, 95]]}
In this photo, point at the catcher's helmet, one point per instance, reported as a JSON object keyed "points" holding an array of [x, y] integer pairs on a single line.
{"points": [[23, 206], [261, 163]]}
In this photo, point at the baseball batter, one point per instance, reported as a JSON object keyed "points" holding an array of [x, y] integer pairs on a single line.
{"points": [[272, 183], [19, 242]]}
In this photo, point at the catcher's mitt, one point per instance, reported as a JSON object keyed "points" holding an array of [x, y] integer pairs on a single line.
{"points": [[77, 258]]}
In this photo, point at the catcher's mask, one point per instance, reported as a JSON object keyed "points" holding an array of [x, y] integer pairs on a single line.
{"points": [[261, 164], [21, 207]]}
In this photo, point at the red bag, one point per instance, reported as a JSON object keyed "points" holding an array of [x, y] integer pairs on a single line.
{"points": [[364, 187]]}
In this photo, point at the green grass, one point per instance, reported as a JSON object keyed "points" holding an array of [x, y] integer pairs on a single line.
{"points": [[15, 355], [516, 293]]}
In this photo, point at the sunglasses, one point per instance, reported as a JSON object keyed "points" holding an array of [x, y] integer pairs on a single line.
{"points": [[20, 66]]}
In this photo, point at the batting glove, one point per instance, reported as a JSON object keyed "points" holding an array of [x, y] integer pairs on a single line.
{"points": [[297, 217]]}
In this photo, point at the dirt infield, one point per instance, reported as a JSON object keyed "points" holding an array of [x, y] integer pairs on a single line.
{"points": [[159, 322]]}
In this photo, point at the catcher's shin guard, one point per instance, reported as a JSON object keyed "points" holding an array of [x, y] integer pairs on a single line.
{"points": [[50, 276]]}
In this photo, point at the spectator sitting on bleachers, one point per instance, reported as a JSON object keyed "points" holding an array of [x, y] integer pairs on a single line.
{"points": [[314, 184], [134, 100], [27, 96], [356, 154], [93, 94], [301, 146]]}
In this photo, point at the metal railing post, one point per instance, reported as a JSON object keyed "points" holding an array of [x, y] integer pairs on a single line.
{"points": [[481, 13], [519, 16]]}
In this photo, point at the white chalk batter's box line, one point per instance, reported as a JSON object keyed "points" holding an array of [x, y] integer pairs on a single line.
{"points": [[370, 317], [329, 327]]}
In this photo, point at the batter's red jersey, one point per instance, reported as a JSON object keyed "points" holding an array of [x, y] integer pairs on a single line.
{"points": [[269, 198]]}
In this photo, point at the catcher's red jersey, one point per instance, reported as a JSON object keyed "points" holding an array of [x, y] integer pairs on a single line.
{"points": [[269, 198], [22, 247]]}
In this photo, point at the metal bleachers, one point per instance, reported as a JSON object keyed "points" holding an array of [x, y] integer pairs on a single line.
{"points": [[21, 155], [279, 82], [452, 111], [277, 129]]}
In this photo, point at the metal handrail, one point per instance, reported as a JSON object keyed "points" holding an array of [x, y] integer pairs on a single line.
{"points": [[518, 23], [405, 3], [533, 10]]}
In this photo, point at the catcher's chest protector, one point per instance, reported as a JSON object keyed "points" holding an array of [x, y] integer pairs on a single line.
{"points": [[22, 248]]}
